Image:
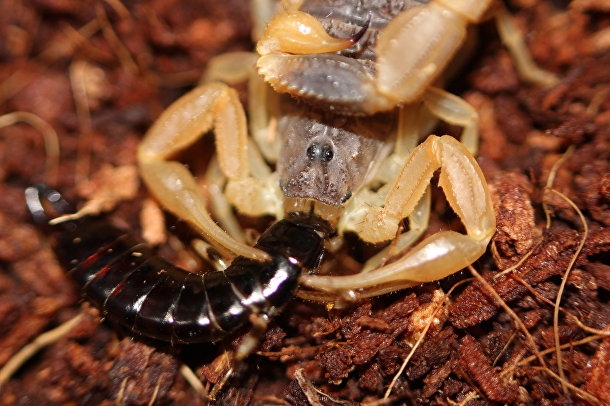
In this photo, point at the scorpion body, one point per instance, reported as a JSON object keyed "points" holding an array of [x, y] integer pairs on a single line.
{"points": [[131, 286], [346, 152]]}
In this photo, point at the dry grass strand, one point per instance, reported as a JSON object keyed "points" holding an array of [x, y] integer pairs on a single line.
{"points": [[421, 338], [49, 135], [40, 342], [530, 338], [193, 380], [549, 189]]}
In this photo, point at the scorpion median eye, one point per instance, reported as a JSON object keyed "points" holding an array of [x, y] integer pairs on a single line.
{"points": [[322, 153], [327, 153], [313, 151]]}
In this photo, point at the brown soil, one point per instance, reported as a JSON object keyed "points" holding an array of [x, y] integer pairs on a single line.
{"points": [[100, 72]]}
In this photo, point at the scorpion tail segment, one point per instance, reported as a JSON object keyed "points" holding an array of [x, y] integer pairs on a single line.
{"points": [[44, 203]]}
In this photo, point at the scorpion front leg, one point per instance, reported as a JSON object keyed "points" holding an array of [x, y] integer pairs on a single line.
{"points": [[216, 106], [438, 255]]}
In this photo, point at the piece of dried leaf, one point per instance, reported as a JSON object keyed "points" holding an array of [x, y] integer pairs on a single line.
{"points": [[106, 188], [153, 223]]}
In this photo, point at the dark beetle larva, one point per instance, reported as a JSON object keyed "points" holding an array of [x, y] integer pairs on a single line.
{"points": [[132, 286]]}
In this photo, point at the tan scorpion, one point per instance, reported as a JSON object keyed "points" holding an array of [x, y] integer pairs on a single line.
{"points": [[340, 94], [344, 144]]}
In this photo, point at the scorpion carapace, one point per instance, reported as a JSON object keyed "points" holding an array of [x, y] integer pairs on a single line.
{"points": [[149, 296]]}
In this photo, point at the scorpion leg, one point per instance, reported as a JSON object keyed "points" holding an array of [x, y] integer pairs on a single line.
{"points": [[211, 105], [216, 182], [432, 34], [220, 207], [262, 11], [230, 68], [263, 110], [512, 38], [412, 119], [438, 255], [454, 110], [263, 102], [233, 68], [237, 67]]}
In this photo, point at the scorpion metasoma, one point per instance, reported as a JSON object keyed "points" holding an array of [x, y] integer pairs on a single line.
{"points": [[345, 157]]}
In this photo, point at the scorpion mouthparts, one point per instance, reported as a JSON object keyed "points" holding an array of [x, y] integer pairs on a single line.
{"points": [[357, 36]]}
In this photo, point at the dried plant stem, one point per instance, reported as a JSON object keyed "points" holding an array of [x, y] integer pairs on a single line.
{"points": [[529, 337], [43, 340], [193, 380], [51, 141], [153, 398], [520, 262], [420, 339], [564, 280], [312, 393], [124, 56], [119, 8], [585, 340], [470, 396], [549, 188], [574, 318], [121, 394]]}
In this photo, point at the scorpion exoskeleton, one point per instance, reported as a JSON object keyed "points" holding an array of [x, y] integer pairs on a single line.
{"points": [[346, 160]]}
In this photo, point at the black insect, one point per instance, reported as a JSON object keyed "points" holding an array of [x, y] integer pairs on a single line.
{"points": [[146, 294]]}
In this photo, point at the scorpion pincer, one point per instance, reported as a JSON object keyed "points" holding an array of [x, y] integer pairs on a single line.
{"points": [[131, 286]]}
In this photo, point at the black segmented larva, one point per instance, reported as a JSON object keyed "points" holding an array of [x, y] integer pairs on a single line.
{"points": [[146, 294]]}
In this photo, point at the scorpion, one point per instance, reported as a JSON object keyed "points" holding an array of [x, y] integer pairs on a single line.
{"points": [[344, 92]]}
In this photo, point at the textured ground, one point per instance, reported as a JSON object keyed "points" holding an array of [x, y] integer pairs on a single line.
{"points": [[100, 72]]}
